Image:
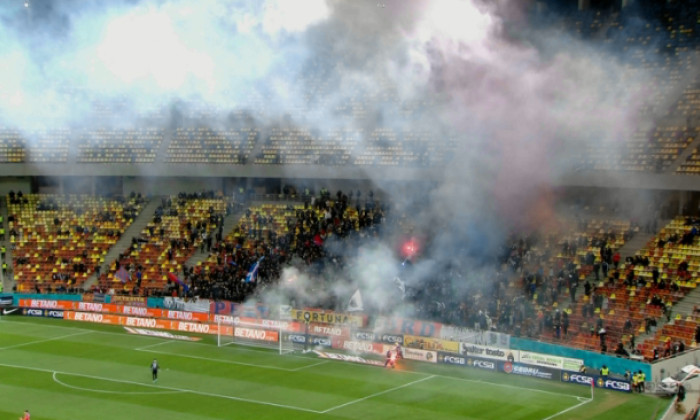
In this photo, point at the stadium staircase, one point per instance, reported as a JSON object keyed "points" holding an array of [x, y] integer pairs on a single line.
{"points": [[637, 242], [230, 222], [162, 152], [135, 229], [683, 156], [6, 278]]}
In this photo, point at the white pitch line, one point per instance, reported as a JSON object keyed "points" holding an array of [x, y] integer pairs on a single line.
{"points": [[505, 385], [44, 340], [376, 394], [121, 334], [105, 391], [160, 343], [568, 409], [231, 362], [168, 388], [308, 366]]}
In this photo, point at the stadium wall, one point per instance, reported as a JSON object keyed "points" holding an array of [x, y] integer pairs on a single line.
{"points": [[171, 186], [15, 184], [673, 365], [617, 365]]}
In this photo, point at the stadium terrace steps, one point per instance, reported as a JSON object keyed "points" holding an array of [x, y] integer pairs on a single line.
{"points": [[124, 242], [162, 152], [685, 154], [230, 222], [6, 279], [637, 242], [686, 305]]}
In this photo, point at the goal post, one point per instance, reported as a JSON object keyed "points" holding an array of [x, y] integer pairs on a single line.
{"points": [[282, 334]]}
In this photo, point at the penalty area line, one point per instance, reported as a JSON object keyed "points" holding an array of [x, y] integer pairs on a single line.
{"points": [[226, 361], [167, 388], [46, 340]]}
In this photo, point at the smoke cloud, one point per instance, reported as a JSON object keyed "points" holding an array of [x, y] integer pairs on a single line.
{"points": [[512, 105]]}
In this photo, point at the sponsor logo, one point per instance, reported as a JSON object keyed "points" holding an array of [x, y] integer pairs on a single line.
{"points": [[5, 300], [355, 346], [579, 379], [161, 334], [272, 323], [326, 317], [296, 338], [135, 310], [54, 314], [483, 364], [617, 385], [9, 311], [492, 353], [349, 358], [364, 336], [454, 360], [395, 339], [519, 369], [192, 327], [226, 319], [88, 306], [187, 316], [34, 312], [39, 303], [83, 316], [141, 322], [316, 329], [321, 341], [415, 354], [250, 333]]}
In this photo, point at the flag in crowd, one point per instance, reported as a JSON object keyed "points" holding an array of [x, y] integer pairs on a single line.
{"points": [[355, 303], [122, 274], [253, 272], [176, 279]]}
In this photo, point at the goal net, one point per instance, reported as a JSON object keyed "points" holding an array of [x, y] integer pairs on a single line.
{"points": [[285, 336]]}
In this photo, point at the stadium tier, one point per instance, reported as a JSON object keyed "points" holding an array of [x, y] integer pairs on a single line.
{"points": [[178, 227], [58, 240], [505, 187]]}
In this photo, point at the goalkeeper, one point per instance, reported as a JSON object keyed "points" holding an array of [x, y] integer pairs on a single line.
{"points": [[154, 370]]}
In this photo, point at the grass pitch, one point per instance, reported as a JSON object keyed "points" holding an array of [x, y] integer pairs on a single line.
{"points": [[66, 371]]}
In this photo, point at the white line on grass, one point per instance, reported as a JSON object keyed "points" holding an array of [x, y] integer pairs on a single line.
{"points": [[376, 394], [301, 357], [308, 366], [504, 385], [242, 349], [168, 388], [153, 345], [566, 410], [104, 391], [231, 362], [44, 340]]}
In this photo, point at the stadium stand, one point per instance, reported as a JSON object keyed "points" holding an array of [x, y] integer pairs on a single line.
{"points": [[119, 146], [58, 240], [179, 226]]}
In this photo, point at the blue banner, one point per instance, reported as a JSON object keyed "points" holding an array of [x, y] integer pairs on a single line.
{"points": [[527, 370], [599, 381], [591, 359], [466, 361]]}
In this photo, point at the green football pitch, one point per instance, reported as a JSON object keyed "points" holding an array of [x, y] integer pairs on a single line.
{"points": [[67, 371]]}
